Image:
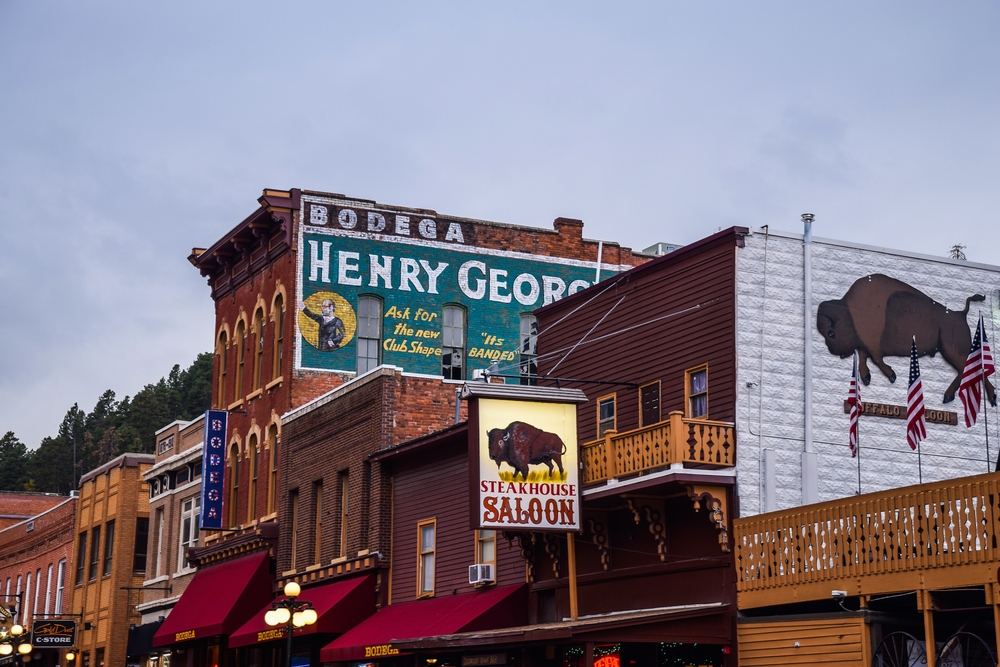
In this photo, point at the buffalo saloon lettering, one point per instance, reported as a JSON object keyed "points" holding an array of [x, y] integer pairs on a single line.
{"points": [[899, 412]]}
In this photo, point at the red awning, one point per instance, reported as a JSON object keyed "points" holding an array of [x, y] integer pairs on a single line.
{"points": [[481, 610], [340, 606], [219, 599]]}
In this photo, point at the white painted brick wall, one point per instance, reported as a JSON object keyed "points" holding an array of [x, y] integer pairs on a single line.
{"points": [[770, 415]]}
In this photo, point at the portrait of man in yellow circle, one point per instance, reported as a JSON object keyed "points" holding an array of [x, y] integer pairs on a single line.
{"points": [[327, 321]]}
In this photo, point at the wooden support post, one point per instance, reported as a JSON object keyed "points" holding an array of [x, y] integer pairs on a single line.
{"points": [[994, 598], [588, 654], [610, 452], [676, 439], [927, 606], [574, 609]]}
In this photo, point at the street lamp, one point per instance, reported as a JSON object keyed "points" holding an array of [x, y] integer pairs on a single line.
{"points": [[291, 613], [15, 639]]}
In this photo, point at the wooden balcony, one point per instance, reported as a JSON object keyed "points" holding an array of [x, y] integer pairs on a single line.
{"points": [[677, 440], [918, 538]]}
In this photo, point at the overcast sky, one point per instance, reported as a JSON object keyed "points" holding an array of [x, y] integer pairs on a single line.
{"points": [[130, 133]]}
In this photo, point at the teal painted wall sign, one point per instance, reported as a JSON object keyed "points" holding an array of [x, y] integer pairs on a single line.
{"points": [[416, 267]]}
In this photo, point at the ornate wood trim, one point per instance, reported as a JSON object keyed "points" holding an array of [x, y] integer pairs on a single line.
{"points": [[716, 502]]}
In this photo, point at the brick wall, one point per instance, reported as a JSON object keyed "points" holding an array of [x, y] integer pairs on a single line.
{"points": [[381, 409], [16, 507], [256, 260], [115, 492], [36, 546]]}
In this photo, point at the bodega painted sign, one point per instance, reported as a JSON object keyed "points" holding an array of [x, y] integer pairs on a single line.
{"points": [[528, 466], [415, 266]]}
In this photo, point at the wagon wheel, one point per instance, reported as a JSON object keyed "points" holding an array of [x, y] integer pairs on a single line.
{"points": [[966, 649], [900, 649]]}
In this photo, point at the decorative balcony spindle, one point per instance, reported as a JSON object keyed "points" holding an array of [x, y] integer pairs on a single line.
{"points": [[657, 446]]}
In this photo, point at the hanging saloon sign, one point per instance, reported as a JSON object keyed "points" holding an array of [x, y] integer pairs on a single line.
{"points": [[524, 461]]}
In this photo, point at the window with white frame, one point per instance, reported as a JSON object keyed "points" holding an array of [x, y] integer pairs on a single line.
{"points": [[60, 587], [426, 543], [453, 343], [48, 590], [369, 333], [160, 565], [190, 509]]}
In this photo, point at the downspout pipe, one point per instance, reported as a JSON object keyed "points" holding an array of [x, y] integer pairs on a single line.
{"points": [[810, 477]]}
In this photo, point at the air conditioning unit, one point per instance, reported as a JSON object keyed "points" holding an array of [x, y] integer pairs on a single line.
{"points": [[481, 574]]}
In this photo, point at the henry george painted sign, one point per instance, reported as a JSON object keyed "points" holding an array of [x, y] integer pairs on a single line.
{"points": [[414, 266], [529, 465]]}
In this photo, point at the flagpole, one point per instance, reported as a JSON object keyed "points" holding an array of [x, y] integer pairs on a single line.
{"points": [[920, 468], [983, 346], [860, 411]]}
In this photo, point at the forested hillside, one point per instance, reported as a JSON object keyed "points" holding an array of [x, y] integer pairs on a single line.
{"points": [[111, 428]]}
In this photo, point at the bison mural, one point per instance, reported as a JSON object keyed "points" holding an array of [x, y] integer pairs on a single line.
{"points": [[879, 315], [520, 445]]}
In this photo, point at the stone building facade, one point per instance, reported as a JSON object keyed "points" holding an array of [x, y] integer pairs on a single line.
{"points": [[770, 350], [109, 557]]}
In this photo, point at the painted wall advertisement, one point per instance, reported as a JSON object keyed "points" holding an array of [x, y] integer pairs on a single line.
{"points": [[213, 466], [416, 266], [529, 470]]}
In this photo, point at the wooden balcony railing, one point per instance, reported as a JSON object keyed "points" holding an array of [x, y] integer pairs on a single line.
{"points": [[676, 440], [938, 535]]}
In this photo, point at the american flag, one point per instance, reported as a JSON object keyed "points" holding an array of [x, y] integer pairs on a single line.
{"points": [[854, 400], [916, 425], [978, 366]]}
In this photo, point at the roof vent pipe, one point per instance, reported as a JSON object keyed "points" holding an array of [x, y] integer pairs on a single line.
{"points": [[810, 477]]}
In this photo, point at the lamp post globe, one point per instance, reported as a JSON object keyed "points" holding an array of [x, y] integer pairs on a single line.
{"points": [[24, 649], [70, 656], [309, 616], [17, 630], [292, 589], [6, 649], [281, 614]]}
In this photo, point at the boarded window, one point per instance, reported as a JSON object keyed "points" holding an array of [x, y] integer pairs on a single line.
{"points": [[649, 403]]}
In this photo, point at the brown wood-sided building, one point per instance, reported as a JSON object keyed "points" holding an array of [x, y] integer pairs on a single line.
{"points": [[658, 455]]}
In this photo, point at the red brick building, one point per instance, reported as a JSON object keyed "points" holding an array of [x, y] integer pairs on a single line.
{"points": [[36, 557], [317, 293]]}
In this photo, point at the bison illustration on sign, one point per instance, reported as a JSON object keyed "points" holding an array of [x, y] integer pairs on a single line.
{"points": [[520, 445], [879, 315]]}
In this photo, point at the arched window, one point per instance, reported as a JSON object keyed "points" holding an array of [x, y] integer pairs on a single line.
{"points": [[278, 311], [272, 485], [234, 483], [258, 359], [252, 496], [453, 343], [241, 343], [223, 356], [369, 333]]}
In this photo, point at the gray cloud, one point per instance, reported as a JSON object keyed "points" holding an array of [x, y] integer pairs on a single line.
{"points": [[130, 133]]}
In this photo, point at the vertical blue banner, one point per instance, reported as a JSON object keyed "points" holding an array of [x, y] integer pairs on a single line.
{"points": [[213, 468]]}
